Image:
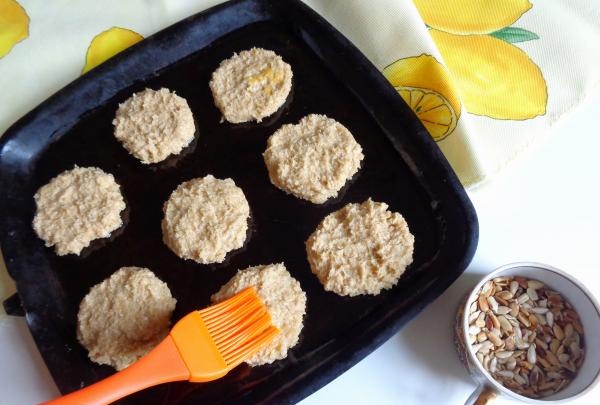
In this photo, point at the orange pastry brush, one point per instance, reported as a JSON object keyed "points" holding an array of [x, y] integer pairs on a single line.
{"points": [[202, 346]]}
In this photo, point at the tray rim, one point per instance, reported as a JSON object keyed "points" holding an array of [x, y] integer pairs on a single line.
{"points": [[359, 347]]}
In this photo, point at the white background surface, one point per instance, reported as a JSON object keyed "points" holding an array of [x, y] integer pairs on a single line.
{"points": [[544, 209]]}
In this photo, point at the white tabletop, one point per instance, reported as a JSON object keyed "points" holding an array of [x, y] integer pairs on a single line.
{"points": [[545, 208]]}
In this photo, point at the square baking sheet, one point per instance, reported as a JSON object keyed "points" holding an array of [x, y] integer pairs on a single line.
{"points": [[402, 167]]}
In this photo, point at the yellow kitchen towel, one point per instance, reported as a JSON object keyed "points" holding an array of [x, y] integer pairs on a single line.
{"points": [[488, 79]]}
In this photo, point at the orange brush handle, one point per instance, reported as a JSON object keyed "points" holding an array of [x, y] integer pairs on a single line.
{"points": [[163, 364]]}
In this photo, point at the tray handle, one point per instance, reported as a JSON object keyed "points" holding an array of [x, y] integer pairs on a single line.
{"points": [[12, 305]]}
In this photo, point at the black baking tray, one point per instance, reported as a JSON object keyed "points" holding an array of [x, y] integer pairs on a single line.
{"points": [[402, 167]]}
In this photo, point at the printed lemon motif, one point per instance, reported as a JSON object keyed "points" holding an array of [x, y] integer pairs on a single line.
{"points": [[107, 44], [471, 16], [14, 25], [433, 110], [425, 86], [495, 78]]}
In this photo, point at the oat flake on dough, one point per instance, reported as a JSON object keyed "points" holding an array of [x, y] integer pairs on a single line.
{"points": [[312, 159], [251, 85], [124, 317], [77, 207], [284, 299], [360, 249], [205, 218], [153, 124]]}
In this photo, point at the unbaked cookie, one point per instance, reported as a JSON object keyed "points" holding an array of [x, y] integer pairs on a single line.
{"points": [[205, 218], [312, 159], [124, 317], [154, 124], [251, 85], [360, 249], [284, 299], [76, 207]]}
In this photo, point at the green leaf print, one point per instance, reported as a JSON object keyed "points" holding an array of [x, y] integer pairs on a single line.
{"points": [[514, 34]]}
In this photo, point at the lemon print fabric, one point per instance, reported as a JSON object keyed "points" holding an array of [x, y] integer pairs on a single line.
{"points": [[14, 25], [107, 44], [471, 16], [494, 77], [426, 86]]}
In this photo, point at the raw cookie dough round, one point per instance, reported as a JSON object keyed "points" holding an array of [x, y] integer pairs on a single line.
{"points": [[76, 207], [205, 218], [312, 159], [124, 317], [154, 124], [360, 249], [284, 299], [251, 85]]}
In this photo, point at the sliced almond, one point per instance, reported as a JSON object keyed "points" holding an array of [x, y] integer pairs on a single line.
{"points": [[541, 319], [532, 294], [524, 319], [485, 347], [493, 304], [480, 321], [486, 362], [511, 364], [503, 354], [536, 285], [575, 350], [533, 321], [578, 327], [495, 339], [502, 310], [526, 365], [509, 343], [558, 332], [546, 364], [541, 343], [520, 379], [551, 357], [495, 322], [531, 355], [506, 373], [473, 316], [486, 288], [493, 365], [514, 308], [504, 324], [568, 330], [514, 286], [554, 345], [505, 295], [483, 304], [553, 375]]}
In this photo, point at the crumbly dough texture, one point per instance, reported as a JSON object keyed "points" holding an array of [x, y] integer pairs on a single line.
{"points": [[154, 124], [77, 207], [251, 85], [313, 159], [360, 249], [124, 317], [284, 299], [205, 218]]}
